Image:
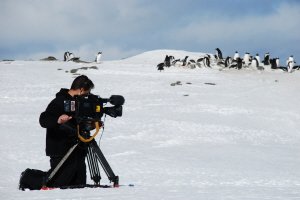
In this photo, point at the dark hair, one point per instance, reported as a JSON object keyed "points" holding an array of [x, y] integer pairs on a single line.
{"points": [[82, 81]]}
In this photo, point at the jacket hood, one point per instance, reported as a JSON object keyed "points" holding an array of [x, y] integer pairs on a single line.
{"points": [[63, 93]]}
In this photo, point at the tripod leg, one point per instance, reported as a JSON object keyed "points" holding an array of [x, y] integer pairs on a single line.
{"points": [[60, 163], [110, 174], [93, 166]]}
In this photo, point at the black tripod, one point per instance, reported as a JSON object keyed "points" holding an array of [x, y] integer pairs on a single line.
{"points": [[94, 158]]}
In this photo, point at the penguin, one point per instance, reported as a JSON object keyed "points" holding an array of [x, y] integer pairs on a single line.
{"points": [[180, 63], [171, 58], [267, 59], [257, 58], [273, 63], [184, 61], [290, 66], [239, 63], [175, 61], [160, 66], [66, 56], [167, 61], [246, 59], [198, 63], [200, 60], [192, 64], [192, 61], [228, 60], [277, 62], [283, 68], [236, 55], [290, 62], [256, 63], [221, 63], [233, 64], [98, 57], [206, 61], [291, 58], [219, 54]]}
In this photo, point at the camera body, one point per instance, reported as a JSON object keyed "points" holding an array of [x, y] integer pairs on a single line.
{"points": [[90, 108]]}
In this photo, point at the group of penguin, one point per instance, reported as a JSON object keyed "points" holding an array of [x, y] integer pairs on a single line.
{"points": [[191, 63], [248, 61], [68, 56]]}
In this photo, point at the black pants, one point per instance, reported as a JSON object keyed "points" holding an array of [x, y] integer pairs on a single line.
{"points": [[72, 172]]}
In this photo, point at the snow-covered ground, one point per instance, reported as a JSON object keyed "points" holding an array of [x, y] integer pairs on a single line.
{"points": [[238, 138]]}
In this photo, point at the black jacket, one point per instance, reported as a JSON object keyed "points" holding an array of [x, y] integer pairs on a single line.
{"points": [[59, 139]]}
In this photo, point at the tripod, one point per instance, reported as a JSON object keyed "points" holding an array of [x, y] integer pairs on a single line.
{"points": [[95, 158]]}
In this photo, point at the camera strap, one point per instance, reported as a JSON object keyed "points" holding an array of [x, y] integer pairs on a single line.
{"points": [[85, 140]]}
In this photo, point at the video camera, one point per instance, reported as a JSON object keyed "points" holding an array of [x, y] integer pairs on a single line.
{"points": [[90, 108]]}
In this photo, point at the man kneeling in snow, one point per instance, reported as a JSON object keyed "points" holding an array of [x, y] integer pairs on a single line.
{"points": [[59, 140]]}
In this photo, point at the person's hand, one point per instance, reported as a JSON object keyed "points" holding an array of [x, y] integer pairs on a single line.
{"points": [[63, 119]]}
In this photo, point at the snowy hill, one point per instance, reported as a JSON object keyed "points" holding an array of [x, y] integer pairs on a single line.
{"points": [[213, 135], [157, 56]]}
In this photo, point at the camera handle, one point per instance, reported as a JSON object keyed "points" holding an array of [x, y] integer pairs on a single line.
{"points": [[82, 139]]}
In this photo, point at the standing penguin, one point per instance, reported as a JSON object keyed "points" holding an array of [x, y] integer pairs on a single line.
{"points": [[160, 67], [184, 61], [66, 56], [219, 54], [256, 64], [206, 61], [257, 58], [277, 62], [98, 57], [290, 59], [239, 63], [167, 61], [273, 63], [290, 66], [290, 63], [236, 55], [247, 61], [267, 59], [228, 60]]}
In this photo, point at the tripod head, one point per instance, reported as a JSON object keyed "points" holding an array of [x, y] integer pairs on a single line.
{"points": [[84, 134]]}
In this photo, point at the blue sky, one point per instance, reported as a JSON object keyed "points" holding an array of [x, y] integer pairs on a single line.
{"points": [[34, 29]]}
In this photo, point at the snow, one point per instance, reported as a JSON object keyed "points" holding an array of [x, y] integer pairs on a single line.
{"points": [[237, 139]]}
